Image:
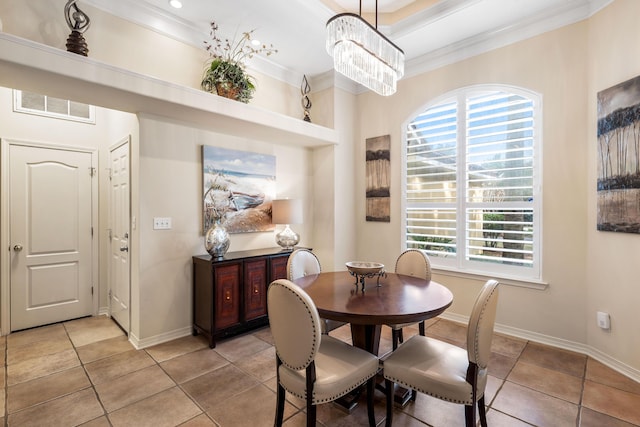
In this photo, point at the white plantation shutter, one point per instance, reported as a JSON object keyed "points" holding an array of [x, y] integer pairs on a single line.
{"points": [[471, 182]]}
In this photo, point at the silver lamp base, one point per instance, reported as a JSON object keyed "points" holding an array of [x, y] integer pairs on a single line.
{"points": [[287, 238]]}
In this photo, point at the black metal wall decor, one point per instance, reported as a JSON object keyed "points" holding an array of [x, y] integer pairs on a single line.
{"points": [[78, 23], [306, 102]]}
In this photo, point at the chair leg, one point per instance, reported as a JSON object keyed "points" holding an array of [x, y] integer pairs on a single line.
{"points": [[371, 388], [311, 415], [388, 387], [400, 336], [470, 415], [421, 328], [482, 411], [395, 337], [280, 397]]}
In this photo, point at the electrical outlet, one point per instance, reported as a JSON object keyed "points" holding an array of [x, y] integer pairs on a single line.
{"points": [[162, 223], [604, 321]]}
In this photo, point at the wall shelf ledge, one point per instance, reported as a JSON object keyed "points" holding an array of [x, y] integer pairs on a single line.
{"points": [[39, 68]]}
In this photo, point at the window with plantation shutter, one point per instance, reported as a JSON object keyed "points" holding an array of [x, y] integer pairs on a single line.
{"points": [[472, 194]]}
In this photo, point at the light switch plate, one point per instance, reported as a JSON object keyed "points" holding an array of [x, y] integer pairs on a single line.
{"points": [[162, 223]]}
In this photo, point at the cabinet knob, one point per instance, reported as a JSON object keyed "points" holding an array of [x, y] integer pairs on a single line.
{"points": [[227, 296], [255, 290]]}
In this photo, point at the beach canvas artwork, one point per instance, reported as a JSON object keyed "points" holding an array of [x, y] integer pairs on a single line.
{"points": [[378, 179], [238, 187], [618, 186]]}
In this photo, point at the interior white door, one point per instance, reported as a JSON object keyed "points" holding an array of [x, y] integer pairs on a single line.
{"points": [[51, 235], [119, 220]]}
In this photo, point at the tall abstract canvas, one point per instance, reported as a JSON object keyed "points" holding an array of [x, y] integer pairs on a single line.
{"points": [[378, 178], [619, 158]]}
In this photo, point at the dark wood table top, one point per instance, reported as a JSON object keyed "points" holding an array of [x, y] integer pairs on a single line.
{"points": [[398, 299]]}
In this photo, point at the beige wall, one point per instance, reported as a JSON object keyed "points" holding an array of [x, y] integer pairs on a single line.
{"points": [[170, 185], [612, 259]]}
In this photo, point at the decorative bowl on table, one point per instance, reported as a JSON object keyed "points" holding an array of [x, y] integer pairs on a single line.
{"points": [[364, 268]]}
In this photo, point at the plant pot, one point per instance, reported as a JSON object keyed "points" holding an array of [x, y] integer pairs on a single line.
{"points": [[227, 90]]}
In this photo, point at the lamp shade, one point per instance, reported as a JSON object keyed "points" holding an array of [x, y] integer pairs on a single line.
{"points": [[286, 211]]}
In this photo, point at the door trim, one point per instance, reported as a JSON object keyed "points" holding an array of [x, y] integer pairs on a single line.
{"points": [[5, 241]]}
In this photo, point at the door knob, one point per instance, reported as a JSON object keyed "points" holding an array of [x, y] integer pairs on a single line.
{"points": [[17, 248], [124, 249]]}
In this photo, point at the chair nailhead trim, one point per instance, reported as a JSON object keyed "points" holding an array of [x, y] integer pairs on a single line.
{"points": [[312, 355], [462, 402], [332, 397], [476, 338]]}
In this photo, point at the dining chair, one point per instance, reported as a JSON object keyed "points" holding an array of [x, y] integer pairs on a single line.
{"points": [[412, 262], [303, 262], [311, 366], [444, 370]]}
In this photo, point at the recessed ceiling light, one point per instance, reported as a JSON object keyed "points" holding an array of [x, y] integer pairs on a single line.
{"points": [[175, 3], [255, 42]]}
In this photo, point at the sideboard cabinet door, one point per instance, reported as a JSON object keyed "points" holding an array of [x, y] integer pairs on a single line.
{"points": [[278, 268], [255, 291], [227, 279]]}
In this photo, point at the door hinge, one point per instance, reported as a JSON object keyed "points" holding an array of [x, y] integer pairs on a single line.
{"points": [[92, 290], [110, 174], [92, 232], [110, 294], [110, 233], [92, 171]]}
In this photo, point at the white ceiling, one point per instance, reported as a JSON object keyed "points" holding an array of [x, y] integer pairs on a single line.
{"points": [[431, 32]]}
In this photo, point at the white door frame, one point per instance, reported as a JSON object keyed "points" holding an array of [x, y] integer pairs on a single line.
{"points": [[5, 231]]}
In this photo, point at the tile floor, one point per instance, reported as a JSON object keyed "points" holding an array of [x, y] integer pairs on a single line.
{"points": [[85, 372]]}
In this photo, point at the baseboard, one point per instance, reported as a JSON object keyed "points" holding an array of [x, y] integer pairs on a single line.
{"points": [[139, 344], [605, 359]]}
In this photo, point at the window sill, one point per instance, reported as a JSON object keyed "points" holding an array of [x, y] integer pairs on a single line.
{"points": [[521, 283]]}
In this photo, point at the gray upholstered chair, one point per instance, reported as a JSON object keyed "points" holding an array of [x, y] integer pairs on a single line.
{"points": [[444, 370], [315, 367], [303, 262], [412, 262]]}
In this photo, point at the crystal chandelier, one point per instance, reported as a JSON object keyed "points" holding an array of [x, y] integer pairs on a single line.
{"points": [[363, 54]]}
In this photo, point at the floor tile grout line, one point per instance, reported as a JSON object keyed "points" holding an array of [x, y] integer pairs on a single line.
{"points": [[93, 386], [179, 386]]}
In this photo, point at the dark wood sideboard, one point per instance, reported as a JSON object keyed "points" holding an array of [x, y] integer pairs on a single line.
{"points": [[230, 293]]}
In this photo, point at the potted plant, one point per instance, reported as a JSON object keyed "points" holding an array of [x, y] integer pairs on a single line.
{"points": [[225, 73]]}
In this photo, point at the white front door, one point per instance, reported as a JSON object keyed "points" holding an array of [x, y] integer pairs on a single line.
{"points": [[50, 235], [119, 232]]}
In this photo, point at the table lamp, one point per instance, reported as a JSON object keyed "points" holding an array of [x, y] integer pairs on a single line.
{"points": [[286, 211]]}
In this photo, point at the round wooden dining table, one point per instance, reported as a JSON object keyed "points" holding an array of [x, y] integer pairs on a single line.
{"points": [[389, 299]]}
